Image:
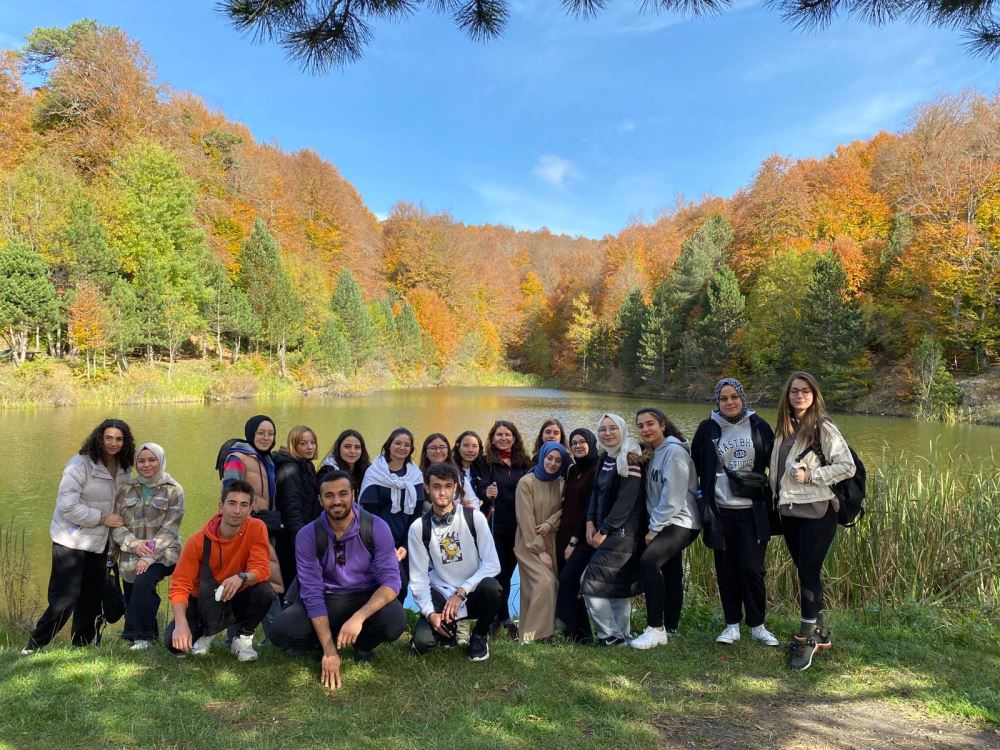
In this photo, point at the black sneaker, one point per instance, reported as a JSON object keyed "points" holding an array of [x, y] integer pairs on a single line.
{"points": [[479, 648], [611, 640]]}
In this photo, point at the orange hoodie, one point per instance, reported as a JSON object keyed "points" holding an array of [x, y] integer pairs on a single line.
{"points": [[247, 551]]}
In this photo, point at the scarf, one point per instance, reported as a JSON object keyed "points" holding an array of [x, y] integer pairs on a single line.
{"points": [[160, 476], [504, 455], [587, 461], [379, 474], [547, 447], [738, 387], [627, 445]]}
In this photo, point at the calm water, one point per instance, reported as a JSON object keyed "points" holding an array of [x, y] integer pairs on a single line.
{"points": [[40, 441]]}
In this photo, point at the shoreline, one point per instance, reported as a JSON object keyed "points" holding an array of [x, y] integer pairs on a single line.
{"points": [[50, 383]]}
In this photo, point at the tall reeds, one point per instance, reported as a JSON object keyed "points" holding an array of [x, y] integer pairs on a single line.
{"points": [[18, 607], [931, 535]]}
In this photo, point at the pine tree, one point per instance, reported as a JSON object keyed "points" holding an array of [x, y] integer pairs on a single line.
{"points": [[655, 340], [725, 319], [351, 312], [629, 325], [272, 297], [832, 331], [335, 353], [27, 296]]}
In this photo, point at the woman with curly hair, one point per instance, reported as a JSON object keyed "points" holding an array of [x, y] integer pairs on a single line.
{"points": [[84, 515], [506, 463]]}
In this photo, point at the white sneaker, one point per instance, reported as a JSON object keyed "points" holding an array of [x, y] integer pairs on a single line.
{"points": [[650, 638], [762, 634], [139, 645], [243, 648], [202, 645], [730, 635]]}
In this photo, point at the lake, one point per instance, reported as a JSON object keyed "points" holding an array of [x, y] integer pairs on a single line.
{"points": [[41, 440]]}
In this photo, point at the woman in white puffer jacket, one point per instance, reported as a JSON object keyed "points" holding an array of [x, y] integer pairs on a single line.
{"points": [[83, 516]]}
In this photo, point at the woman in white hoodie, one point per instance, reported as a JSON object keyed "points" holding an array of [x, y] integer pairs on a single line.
{"points": [[83, 516], [671, 483], [736, 517], [809, 457]]}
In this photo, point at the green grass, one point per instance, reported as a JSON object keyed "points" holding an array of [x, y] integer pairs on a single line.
{"points": [[559, 696]]}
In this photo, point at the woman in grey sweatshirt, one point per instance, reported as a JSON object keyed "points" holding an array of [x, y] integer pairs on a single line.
{"points": [[671, 485]]}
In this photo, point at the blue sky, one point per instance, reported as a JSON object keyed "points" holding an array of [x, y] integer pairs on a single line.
{"points": [[579, 126]]}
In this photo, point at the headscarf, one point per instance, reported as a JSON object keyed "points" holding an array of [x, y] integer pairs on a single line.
{"points": [[585, 462], [547, 447], [250, 428], [738, 387], [265, 456], [161, 475], [627, 445]]}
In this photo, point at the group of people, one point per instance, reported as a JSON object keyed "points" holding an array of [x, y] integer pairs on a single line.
{"points": [[322, 557]]}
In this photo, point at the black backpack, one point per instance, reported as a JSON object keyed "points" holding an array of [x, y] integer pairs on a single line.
{"points": [[470, 521], [366, 531], [850, 492], [224, 451]]}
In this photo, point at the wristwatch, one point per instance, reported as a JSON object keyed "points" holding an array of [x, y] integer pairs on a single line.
{"points": [[243, 576]]}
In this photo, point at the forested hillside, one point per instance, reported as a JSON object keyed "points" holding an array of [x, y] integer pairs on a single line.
{"points": [[137, 225]]}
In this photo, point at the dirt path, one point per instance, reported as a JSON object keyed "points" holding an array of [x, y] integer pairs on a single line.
{"points": [[798, 724]]}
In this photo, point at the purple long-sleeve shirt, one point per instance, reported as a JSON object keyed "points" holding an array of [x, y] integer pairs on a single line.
{"points": [[361, 571]]}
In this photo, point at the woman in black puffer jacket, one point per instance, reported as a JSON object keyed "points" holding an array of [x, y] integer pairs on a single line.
{"points": [[296, 493]]}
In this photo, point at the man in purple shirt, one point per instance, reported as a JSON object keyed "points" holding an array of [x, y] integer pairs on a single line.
{"points": [[349, 595]]}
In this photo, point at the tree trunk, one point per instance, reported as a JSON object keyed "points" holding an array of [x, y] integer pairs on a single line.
{"points": [[281, 358], [218, 342], [149, 352], [170, 362], [59, 340], [236, 349]]}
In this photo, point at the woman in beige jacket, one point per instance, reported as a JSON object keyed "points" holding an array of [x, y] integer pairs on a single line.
{"points": [[538, 506], [148, 541], [809, 457], [83, 515]]}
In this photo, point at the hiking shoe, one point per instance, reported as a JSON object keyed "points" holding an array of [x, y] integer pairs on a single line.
{"points": [[730, 635], [243, 648], [29, 649], [650, 638], [139, 645], [202, 645], [801, 650], [463, 632], [765, 636], [479, 648]]}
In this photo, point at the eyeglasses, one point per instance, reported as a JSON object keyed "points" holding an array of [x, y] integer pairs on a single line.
{"points": [[799, 391], [603, 430], [338, 548]]}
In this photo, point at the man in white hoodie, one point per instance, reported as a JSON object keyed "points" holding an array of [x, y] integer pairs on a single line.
{"points": [[453, 562]]}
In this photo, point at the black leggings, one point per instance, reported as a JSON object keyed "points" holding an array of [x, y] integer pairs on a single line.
{"points": [[142, 603], [662, 575], [505, 551], [739, 568], [571, 610], [808, 541]]}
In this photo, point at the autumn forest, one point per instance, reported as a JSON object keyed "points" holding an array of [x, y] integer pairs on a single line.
{"points": [[140, 229]]}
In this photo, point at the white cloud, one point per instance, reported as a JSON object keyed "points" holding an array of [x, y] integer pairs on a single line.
{"points": [[626, 126], [555, 170]]}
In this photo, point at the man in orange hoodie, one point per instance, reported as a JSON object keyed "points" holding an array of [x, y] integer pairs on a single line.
{"points": [[221, 579]]}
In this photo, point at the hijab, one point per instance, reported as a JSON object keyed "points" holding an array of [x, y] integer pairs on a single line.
{"points": [[587, 461], [265, 455], [627, 445], [738, 387], [161, 475], [547, 447]]}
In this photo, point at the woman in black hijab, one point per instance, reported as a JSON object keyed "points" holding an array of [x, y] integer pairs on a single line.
{"points": [[571, 540]]}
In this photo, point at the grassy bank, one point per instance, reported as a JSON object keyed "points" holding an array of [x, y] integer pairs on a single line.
{"points": [[692, 693], [52, 382], [915, 663]]}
